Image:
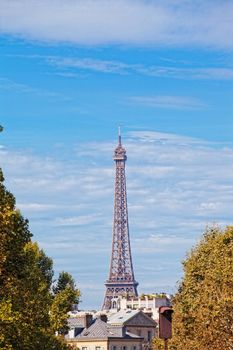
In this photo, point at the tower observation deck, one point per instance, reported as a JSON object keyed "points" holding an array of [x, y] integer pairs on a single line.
{"points": [[121, 276]]}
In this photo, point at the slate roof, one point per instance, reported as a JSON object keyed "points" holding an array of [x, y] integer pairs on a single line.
{"points": [[102, 330], [75, 322], [131, 318], [122, 316]]}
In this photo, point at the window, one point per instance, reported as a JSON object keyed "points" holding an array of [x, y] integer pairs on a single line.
{"points": [[149, 336], [97, 348], [134, 347], [84, 348], [124, 347], [114, 347]]}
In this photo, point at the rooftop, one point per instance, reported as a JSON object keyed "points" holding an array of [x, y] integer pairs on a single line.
{"points": [[122, 316], [102, 330]]}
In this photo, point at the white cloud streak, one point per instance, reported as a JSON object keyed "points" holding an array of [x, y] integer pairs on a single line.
{"points": [[17, 87], [73, 67], [128, 22], [168, 102], [117, 67], [102, 66], [76, 220]]}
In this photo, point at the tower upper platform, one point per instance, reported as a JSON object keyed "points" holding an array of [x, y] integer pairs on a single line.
{"points": [[120, 152]]}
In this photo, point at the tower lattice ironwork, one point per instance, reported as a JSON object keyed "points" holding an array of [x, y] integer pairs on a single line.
{"points": [[121, 276]]}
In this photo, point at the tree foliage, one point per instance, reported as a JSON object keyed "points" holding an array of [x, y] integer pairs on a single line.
{"points": [[26, 273], [64, 280], [65, 295], [203, 306], [62, 304], [157, 344]]}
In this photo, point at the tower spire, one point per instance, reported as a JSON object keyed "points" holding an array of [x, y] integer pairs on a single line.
{"points": [[121, 276], [119, 136]]}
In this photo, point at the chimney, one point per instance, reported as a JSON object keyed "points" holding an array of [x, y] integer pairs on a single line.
{"points": [[86, 320], [104, 318]]}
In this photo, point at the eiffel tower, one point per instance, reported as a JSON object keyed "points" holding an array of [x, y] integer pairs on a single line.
{"points": [[121, 276]]}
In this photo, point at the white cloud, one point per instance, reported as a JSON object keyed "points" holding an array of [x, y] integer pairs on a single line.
{"points": [[169, 102], [155, 243], [76, 220], [36, 206], [164, 23], [214, 73], [118, 67], [90, 64], [149, 137], [73, 67], [17, 87]]}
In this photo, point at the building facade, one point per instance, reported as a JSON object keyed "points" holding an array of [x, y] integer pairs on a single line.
{"points": [[124, 330], [148, 303], [103, 336]]}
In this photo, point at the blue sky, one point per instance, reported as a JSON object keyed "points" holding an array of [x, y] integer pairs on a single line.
{"points": [[70, 73]]}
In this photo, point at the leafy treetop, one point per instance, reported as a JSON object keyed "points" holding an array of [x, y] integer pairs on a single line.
{"points": [[203, 306]]}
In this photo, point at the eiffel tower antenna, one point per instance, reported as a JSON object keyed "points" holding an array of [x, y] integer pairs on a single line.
{"points": [[121, 276], [119, 135]]}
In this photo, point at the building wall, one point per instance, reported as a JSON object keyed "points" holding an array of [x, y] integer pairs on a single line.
{"points": [[148, 304], [87, 344], [146, 332], [115, 344], [125, 344]]}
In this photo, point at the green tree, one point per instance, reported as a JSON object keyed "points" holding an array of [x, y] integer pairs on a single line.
{"points": [[157, 344], [64, 280], [61, 305], [203, 306], [65, 295], [26, 301]]}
